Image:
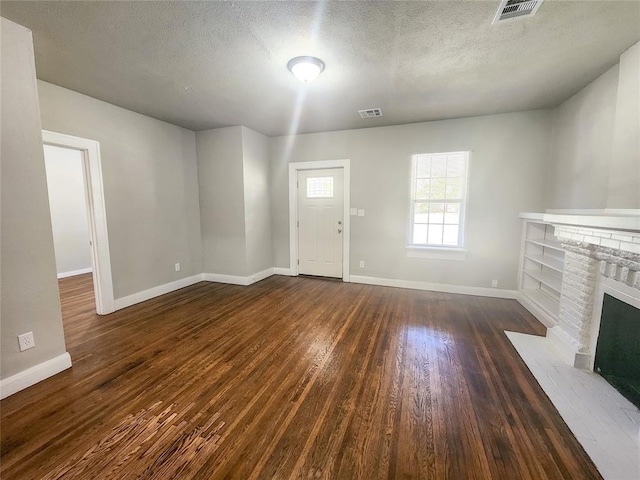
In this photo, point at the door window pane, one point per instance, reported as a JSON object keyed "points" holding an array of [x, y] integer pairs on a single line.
{"points": [[320, 187]]}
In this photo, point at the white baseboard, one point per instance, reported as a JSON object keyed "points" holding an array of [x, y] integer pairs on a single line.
{"points": [[33, 375], [435, 287], [73, 273], [129, 300], [237, 279], [283, 271], [544, 318]]}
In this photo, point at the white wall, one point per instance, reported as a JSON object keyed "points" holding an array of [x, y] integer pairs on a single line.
{"points": [[507, 175], [257, 206], [581, 149], [222, 200], [596, 142], [624, 176], [150, 176], [28, 269], [68, 206], [233, 166]]}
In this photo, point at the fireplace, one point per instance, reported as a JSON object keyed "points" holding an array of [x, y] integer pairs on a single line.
{"points": [[617, 356], [602, 260]]}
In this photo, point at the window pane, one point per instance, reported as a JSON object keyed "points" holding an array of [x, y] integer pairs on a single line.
{"points": [[422, 189], [450, 235], [437, 188], [438, 166], [421, 213], [420, 233], [452, 213], [454, 188], [436, 213], [320, 187], [423, 166], [456, 165], [435, 234]]}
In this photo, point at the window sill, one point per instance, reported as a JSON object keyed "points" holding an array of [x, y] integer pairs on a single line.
{"points": [[438, 253]]}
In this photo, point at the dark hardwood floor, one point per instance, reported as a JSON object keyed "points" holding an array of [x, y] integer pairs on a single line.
{"points": [[290, 378]]}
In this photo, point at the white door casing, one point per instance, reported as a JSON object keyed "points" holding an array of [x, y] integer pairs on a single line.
{"points": [[101, 260], [294, 168], [320, 222]]}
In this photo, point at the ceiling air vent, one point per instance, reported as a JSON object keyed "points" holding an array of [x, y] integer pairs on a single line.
{"points": [[370, 112], [516, 8]]}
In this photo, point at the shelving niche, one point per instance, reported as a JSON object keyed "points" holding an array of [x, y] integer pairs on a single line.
{"points": [[541, 269]]}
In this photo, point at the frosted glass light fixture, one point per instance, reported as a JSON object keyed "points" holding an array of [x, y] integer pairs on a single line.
{"points": [[305, 69]]}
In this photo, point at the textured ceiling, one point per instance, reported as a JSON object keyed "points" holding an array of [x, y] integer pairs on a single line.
{"points": [[205, 65]]}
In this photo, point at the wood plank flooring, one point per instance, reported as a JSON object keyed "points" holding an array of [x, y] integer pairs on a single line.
{"points": [[290, 378]]}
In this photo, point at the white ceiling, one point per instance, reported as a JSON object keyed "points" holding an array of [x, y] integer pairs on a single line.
{"points": [[205, 65]]}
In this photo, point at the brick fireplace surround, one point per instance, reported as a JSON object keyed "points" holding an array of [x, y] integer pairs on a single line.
{"points": [[602, 255]]}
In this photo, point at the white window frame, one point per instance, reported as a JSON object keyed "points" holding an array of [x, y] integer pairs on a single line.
{"points": [[449, 252]]}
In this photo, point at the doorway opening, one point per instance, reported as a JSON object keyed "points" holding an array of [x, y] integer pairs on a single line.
{"points": [[319, 205], [74, 179]]}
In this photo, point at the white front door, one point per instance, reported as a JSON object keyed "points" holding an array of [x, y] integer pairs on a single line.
{"points": [[320, 222]]}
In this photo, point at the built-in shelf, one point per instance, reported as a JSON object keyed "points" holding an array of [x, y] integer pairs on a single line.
{"points": [[541, 269], [553, 244], [549, 279], [546, 302], [548, 261]]}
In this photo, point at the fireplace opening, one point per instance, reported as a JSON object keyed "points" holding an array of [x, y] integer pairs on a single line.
{"points": [[618, 347]]}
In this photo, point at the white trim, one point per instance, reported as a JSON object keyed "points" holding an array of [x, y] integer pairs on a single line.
{"points": [[237, 279], [438, 253], [542, 316], [139, 297], [33, 375], [283, 271], [594, 211], [100, 256], [435, 287], [73, 273], [294, 167]]}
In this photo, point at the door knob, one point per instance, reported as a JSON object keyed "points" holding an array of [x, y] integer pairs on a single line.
{"points": [[339, 222], [339, 230]]}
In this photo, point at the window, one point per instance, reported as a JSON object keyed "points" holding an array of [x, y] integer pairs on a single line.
{"points": [[320, 187], [438, 199]]}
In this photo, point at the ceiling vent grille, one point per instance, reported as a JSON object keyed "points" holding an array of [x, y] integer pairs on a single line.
{"points": [[370, 112], [516, 8]]}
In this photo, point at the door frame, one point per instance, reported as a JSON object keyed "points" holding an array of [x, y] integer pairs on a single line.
{"points": [[100, 256], [294, 168]]}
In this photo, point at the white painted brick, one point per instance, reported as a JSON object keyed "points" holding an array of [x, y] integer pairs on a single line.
{"points": [[585, 231], [577, 237], [630, 247], [605, 242], [636, 239], [591, 239], [623, 238]]}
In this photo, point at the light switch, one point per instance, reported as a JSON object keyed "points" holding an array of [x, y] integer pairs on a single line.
{"points": [[353, 212], [361, 212]]}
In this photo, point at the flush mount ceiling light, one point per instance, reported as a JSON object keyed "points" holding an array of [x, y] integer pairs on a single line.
{"points": [[305, 69]]}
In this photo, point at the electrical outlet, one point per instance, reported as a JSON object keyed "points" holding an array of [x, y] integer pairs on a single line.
{"points": [[361, 263], [353, 211], [361, 212], [26, 341], [177, 267], [494, 283]]}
